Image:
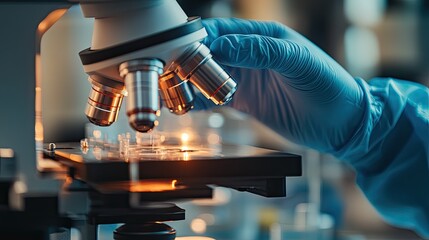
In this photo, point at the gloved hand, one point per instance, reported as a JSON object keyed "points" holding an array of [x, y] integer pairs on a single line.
{"points": [[292, 86], [287, 82]]}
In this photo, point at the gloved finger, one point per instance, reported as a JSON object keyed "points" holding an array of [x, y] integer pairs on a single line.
{"points": [[307, 70], [217, 27], [261, 52]]}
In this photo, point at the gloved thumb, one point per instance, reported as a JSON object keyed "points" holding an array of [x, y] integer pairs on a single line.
{"points": [[261, 52]]}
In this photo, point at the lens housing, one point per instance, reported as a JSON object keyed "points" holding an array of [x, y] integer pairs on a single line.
{"points": [[177, 95], [197, 65], [141, 82], [103, 104]]}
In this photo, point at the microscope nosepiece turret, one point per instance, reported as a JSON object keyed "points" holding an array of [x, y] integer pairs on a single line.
{"points": [[148, 48]]}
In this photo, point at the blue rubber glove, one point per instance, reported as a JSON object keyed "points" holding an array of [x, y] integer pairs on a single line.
{"points": [[287, 82], [380, 128]]}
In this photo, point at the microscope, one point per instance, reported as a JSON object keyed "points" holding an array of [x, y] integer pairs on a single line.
{"points": [[152, 53], [140, 46]]}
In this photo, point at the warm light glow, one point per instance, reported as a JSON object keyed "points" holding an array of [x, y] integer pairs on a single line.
{"points": [[68, 180], [73, 157], [173, 184], [186, 156], [124, 92], [185, 137], [185, 120], [39, 130], [38, 100], [153, 186], [198, 225], [213, 139], [85, 150], [6, 153], [38, 62], [184, 148], [50, 20]]}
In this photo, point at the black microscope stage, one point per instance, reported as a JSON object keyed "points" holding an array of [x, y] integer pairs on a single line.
{"points": [[187, 171]]}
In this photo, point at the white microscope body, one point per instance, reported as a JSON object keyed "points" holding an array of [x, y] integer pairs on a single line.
{"points": [[139, 47]]}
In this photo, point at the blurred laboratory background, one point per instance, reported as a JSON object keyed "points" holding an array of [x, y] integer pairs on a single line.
{"points": [[370, 38]]}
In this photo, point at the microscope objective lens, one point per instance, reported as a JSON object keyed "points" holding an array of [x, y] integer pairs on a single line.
{"points": [[141, 82], [198, 65]]}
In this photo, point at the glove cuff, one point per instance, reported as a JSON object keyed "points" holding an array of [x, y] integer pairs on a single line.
{"points": [[359, 144], [384, 104]]}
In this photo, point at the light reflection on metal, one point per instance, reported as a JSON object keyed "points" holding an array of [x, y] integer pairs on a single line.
{"points": [[43, 26], [76, 158], [152, 186], [173, 183], [67, 182], [38, 128], [73, 157], [50, 20]]}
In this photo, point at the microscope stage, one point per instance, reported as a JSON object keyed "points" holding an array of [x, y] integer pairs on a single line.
{"points": [[242, 167]]}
